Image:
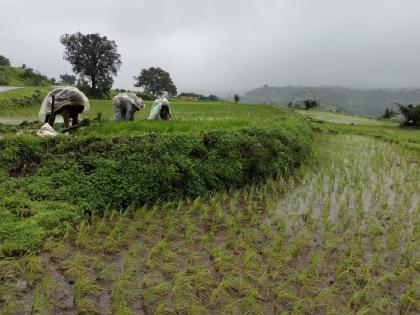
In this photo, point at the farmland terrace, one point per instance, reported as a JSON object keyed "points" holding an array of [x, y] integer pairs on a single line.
{"points": [[229, 208]]}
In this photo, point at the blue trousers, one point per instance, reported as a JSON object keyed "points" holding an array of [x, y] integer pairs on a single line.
{"points": [[124, 111]]}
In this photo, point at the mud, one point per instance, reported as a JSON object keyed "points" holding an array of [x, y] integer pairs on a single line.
{"points": [[64, 301]]}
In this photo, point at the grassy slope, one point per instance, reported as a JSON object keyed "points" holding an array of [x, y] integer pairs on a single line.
{"points": [[21, 102], [15, 76], [354, 125]]}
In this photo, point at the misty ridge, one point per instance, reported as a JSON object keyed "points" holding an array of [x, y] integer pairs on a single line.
{"points": [[358, 101]]}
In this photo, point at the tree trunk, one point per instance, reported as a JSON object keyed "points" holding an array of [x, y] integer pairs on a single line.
{"points": [[93, 79]]}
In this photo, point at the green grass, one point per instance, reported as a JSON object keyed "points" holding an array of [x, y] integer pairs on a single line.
{"points": [[387, 130], [21, 103], [409, 138], [341, 236], [188, 116], [346, 119], [15, 76], [208, 147]]}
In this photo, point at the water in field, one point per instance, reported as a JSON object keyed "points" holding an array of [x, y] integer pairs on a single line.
{"points": [[340, 238], [7, 88]]}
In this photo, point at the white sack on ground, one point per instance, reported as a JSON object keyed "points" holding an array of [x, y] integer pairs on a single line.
{"points": [[64, 96], [46, 131], [157, 106]]}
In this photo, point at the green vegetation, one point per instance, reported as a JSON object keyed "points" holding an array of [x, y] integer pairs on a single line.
{"points": [[387, 130], [94, 58], [310, 104], [4, 61], [116, 165], [240, 232], [155, 81], [346, 119], [411, 115], [316, 243], [22, 102], [14, 76]]}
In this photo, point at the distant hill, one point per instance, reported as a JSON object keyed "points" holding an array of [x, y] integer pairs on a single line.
{"points": [[22, 77], [361, 101]]}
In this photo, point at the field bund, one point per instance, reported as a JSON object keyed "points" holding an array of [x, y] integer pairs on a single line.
{"points": [[48, 183]]}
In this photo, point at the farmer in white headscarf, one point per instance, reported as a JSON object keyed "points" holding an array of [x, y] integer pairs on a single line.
{"points": [[160, 110], [126, 105]]}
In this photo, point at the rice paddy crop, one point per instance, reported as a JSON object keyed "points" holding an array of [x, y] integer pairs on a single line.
{"points": [[340, 236], [346, 119]]}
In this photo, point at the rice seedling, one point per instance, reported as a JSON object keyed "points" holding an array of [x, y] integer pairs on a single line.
{"points": [[340, 235]]}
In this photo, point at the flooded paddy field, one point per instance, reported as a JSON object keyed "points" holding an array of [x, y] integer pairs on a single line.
{"points": [[341, 235]]}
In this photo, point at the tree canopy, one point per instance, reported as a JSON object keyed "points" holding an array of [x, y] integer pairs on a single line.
{"points": [[310, 104], [156, 81], [4, 61], [389, 113], [67, 79], [93, 57], [411, 114]]}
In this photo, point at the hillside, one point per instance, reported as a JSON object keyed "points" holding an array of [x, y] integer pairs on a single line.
{"points": [[360, 101], [15, 76]]}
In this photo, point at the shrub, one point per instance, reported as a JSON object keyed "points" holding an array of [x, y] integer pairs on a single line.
{"points": [[310, 104], [4, 61], [46, 183], [99, 173], [411, 114], [389, 113]]}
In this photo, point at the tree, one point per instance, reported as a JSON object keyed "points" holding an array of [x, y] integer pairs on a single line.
{"points": [[93, 57], [389, 113], [67, 79], [156, 81], [4, 61], [411, 114], [310, 104], [214, 98], [237, 98]]}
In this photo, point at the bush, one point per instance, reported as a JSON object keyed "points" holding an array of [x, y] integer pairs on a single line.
{"points": [[4, 61], [411, 114], [310, 104], [34, 78], [47, 183], [389, 113], [98, 173]]}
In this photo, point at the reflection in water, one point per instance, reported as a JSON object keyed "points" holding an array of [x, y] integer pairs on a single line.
{"points": [[7, 88]]}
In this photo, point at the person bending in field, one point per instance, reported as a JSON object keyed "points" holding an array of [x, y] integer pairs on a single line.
{"points": [[160, 110], [126, 105], [68, 102]]}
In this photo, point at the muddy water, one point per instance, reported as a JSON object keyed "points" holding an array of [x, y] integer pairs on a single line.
{"points": [[19, 120], [7, 88], [355, 174]]}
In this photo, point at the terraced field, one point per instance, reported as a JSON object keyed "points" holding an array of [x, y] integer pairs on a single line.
{"points": [[338, 235]]}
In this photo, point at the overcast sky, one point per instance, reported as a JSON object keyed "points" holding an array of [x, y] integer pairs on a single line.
{"points": [[227, 46]]}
